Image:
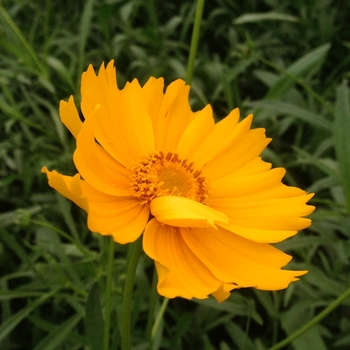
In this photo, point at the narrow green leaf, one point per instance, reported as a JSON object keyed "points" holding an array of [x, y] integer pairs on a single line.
{"points": [[58, 335], [17, 248], [267, 16], [304, 64], [85, 26], [65, 206], [19, 45], [8, 295], [302, 114], [9, 324], [341, 135], [93, 320]]}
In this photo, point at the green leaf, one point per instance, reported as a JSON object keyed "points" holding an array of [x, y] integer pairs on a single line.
{"points": [[297, 316], [18, 44], [8, 295], [9, 324], [94, 323], [267, 16], [85, 26], [58, 334], [297, 112], [304, 64], [341, 136]]}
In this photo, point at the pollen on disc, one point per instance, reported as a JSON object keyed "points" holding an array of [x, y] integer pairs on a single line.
{"points": [[166, 174]]}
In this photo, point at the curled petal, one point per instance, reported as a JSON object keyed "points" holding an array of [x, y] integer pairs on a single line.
{"points": [[184, 212], [70, 117], [67, 186]]}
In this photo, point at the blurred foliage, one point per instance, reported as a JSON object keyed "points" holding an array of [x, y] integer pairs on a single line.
{"points": [[286, 62]]}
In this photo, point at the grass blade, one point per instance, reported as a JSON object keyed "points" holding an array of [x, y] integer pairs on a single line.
{"points": [[304, 64], [85, 26], [267, 16], [341, 136], [58, 335], [9, 324], [93, 321], [20, 46]]}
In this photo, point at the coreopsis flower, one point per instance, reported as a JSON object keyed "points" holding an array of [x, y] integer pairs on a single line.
{"points": [[207, 205]]}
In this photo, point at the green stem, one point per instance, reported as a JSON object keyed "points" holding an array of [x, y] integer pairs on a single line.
{"points": [[108, 294], [194, 41], [159, 317], [133, 258], [152, 305], [313, 322]]}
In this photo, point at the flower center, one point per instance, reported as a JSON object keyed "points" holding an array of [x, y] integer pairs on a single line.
{"points": [[165, 174]]}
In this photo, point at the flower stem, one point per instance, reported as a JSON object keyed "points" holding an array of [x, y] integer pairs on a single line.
{"points": [[152, 306], [194, 41], [108, 294], [313, 322], [133, 258], [159, 317]]}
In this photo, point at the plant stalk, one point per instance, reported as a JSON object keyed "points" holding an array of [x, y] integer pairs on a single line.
{"points": [[133, 258], [194, 41], [313, 322]]}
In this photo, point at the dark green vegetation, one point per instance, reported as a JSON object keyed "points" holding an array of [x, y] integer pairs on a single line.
{"points": [[290, 70]]}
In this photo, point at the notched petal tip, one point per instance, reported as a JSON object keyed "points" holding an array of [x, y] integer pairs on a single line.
{"points": [[70, 116], [67, 186]]}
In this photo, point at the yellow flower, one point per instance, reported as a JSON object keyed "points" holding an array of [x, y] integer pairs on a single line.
{"points": [[207, 205]]}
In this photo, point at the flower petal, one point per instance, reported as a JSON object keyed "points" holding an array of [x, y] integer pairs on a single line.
{"points": [[236, 185], [153, 92], [273, 218], [97, 89], [244, 145], [67, 186], [96, 166], [196, 132], [173, 117], [233, 259], [70, 117], [124, 128], [184, 212], [223, 292], [218, 140], [180, 272], [124, 219]]}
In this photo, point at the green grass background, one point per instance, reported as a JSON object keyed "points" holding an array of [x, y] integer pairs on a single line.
{"points": [[285, 61]]}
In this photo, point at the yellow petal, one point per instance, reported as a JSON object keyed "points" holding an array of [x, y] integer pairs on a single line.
{"points": [[70, 117], [233, 259], [184, 212], [223, 292], [67, 186], [124, 128], [196, 132], [153, 92], [97, 89], [173, 117], [124, 219], [135, 120], [245, 145], [277, 218], [180, 272], [235, 185], [218, 140], [96, 166]]}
